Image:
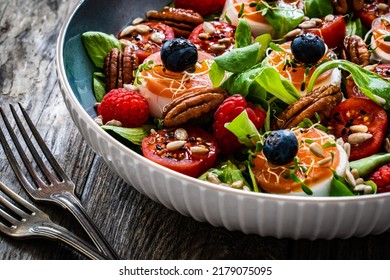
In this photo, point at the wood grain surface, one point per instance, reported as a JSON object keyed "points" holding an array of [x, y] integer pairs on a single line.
{"points": [[137, 227]]}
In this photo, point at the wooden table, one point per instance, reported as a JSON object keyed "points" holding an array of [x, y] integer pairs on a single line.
{"points": [[137, 227]]}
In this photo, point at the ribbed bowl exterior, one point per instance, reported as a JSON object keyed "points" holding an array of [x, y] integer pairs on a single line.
{"points": [[257, 213]]}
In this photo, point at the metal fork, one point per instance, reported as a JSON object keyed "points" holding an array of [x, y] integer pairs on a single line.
{"points": [[36, 223], [59, 190]]}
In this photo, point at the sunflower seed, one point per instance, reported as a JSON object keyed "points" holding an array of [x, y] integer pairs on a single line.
{"points": [[355, 173], [199, 150], [218, 47], [175, 145], [349, 178], [307, 24], [324, 161], [367, 190], [239, 184], [317, 150], [359, 128], [329, 17], [347, 149], [208, 27], [142, 29], [358, 137], [203, 35], [137, 20], [127, 30], [293, 33], [213, 178], [224, 41]]}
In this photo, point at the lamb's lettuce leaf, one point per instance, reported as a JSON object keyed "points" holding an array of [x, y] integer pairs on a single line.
{"points": [[244, 129], [283, 17], [243, 34], [370, 83], [227, 172], [99, 87], [134, 135], [98, 44], [239, 60], [318, 8]]}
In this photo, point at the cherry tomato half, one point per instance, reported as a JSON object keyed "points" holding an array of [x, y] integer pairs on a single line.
{"points": [[332, 32], [150, 41], [359, 111], [216, 42], [192, 156]]}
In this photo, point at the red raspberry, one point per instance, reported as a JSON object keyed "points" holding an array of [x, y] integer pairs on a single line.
{"points": [[203, 7], [381, 178], [226, 112], [124, 105]]}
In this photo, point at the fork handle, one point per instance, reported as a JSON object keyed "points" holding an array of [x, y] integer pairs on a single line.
{"points": [[54, 231], [69, 201]]}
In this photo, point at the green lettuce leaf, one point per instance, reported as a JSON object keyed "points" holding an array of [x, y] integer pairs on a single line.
{"points": [[134, 135], [370, 83], [98, 44], [318, 8], [244, 129]]}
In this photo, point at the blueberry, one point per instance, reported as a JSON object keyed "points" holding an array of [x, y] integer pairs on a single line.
{"points": [[280, 147], [308, 48], [179, 54]]}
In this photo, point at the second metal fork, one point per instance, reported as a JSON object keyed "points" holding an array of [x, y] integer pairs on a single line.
{"points": [[59, 190], [21, 219]]}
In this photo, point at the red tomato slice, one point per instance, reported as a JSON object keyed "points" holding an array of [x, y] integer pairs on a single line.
{"points": [[217, 42], [369, 13], [332, 32], [144, 42], [359, 111], [197, 154]]}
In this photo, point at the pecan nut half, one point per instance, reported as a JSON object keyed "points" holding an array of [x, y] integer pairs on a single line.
{"points": [[182, 21], [192, 105], [356, 50], [321, 101], [119, 67], [341, 6]]}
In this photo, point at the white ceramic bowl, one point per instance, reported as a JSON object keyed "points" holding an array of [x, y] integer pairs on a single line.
{"points": [[258, 213]]}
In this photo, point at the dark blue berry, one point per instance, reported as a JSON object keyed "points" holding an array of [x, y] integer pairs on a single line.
{"points": [[308, 48], [179, 54], [280, 147]]}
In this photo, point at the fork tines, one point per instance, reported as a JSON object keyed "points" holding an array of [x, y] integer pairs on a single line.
{"points": [[32, 149]]}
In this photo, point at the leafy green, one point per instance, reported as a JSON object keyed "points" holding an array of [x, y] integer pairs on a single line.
{"points": [[270, 79], [355, 27], [244, 129], [339, 187], [370, 83], [239, 60], [243, 34], [264, 40], [216, 74], [134, 135], [227, 172], [318, 8], [283, 18], [99, 86], [98, 44]]}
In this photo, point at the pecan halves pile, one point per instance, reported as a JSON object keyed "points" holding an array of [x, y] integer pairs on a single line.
{"points": [[119, 67], [356, 50], [182, 21], [192, 105], [321, 101]]}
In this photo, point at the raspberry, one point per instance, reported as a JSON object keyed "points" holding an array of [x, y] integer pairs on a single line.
{"points": [[226, 112], [381, 178], [127, 106], [203, 7]]}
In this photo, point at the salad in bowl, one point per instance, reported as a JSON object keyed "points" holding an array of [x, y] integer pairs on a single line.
{"points": [[245, 114]]}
